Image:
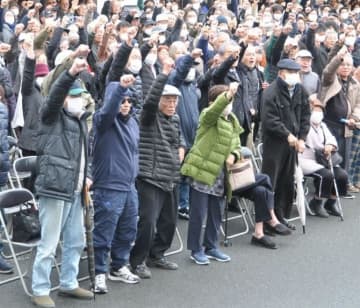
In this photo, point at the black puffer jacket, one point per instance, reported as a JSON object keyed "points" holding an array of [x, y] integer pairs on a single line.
{"points": [[160, 140], [60, 141], [4, 144], [32, 100]]}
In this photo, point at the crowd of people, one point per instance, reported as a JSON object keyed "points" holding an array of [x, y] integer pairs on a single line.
{"points": [[150, 105]]}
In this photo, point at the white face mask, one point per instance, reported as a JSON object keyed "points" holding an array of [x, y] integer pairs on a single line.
{"points": [[39, 80], [147, 32], [150, 59], [123, 37], [349, 41], [227, 110], [312, 17], [344, 16], [277, 17], [191, 75], [292, 79], [162, 39], [320, 38], [316, 117], [135, 66], [74, 105], [163, 27], [191, 20]]}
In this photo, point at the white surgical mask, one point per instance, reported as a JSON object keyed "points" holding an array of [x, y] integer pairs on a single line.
{"points": [[163, 27], [150, 59], [39, 80], [227, 110], [344, 16], [147, 32], [191, 75], [277, 17], [320, 38], [316, 117], [162, 39], [191, 20], [349, 41], [292, 79], [312, 17], [74, 105], [135, 66], [123, 37]]}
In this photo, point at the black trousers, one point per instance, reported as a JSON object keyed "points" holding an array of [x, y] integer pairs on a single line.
{"points": [[279, 164], [157, 222], [261, 194], [324, 184]]}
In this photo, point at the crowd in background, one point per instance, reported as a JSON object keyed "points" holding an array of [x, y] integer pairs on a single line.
{"points": [[147, 105]]}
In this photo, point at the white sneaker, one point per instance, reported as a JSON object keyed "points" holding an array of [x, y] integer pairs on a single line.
{"points": [[100, 284], [123, 274]]}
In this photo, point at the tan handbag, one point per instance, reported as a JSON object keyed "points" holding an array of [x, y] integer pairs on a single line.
{"points": [[241, 174]]}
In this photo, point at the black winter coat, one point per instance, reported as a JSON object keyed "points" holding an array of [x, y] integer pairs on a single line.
{"points": [[32, 101], [60, 141], [160, 140]]}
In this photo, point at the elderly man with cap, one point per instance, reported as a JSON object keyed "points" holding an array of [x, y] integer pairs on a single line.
{"points": [[309, 79], [61, 178], [286, 122], [161, 151]]}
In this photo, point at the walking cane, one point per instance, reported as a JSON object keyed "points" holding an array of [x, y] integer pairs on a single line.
{"points": [[227, 242], [336, 189]]}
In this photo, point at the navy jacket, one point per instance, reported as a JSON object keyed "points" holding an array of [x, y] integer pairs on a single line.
{"points": [[4, 144], [187, 108], [116, 140]]}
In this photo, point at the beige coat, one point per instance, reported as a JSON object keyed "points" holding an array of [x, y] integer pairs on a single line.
{"points": [[331, 85]]}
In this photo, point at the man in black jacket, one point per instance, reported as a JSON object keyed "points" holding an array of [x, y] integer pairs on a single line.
{"points": [[161, 151], [61, 177], [285, 119]]}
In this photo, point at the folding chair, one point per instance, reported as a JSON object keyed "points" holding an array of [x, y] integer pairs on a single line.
{"points": [[181, 244], [23, 168], [10, 201], [244, 212]]}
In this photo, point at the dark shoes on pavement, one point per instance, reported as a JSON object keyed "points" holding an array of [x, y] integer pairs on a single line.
{"points": [[332, 208], [317, 206], [277, 229], [264, 241], [141, 271], [184, 213], [162, 263], [5, 268]]}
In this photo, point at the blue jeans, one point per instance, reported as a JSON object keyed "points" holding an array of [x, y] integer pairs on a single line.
{"points": [[184, 194], [59, 217], [115, 227]]}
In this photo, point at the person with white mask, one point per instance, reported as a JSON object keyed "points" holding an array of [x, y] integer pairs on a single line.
{"points": [[285, 118], [320, 138], [184, 78], [61, 150]]}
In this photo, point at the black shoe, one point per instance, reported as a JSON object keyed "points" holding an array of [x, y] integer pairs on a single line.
{"points": [[348, 196], [184, 213], [317, 206], [162, 263], [5, 268], [332, 207], [287, 224], [278, 229], [264, 241]]}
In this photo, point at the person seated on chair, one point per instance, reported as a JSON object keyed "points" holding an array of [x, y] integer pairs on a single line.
{"points": [[5, 268], [320, 138]]}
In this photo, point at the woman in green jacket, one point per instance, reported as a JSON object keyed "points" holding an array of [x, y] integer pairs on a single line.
{"points": [[216, 145]]}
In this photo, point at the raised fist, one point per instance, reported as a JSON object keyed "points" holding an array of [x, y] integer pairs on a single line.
{"points": [[127, 80], [168, 65], [232, 90], [78, 66]]}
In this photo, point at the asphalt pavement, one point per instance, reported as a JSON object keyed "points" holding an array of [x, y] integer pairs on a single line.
{"points": [[319, 269]]}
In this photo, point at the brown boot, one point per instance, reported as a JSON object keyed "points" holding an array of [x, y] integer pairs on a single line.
{"points": [[79, 293], [44, 301]]}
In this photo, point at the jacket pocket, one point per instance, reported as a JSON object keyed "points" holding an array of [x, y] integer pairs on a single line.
{"points": [[58, 174]]}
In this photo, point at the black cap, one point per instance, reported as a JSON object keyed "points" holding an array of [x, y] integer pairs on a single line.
{"points": [[288, 64], [149, 22]]}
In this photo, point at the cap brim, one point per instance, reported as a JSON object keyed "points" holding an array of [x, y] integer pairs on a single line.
{"points": [[76, 92]]}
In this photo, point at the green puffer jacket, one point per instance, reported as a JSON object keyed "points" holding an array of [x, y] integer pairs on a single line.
{"points": [[216, 138]]}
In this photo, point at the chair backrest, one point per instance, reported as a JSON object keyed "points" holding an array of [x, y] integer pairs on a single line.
{"points": [[14, 197], [25, 165]]}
